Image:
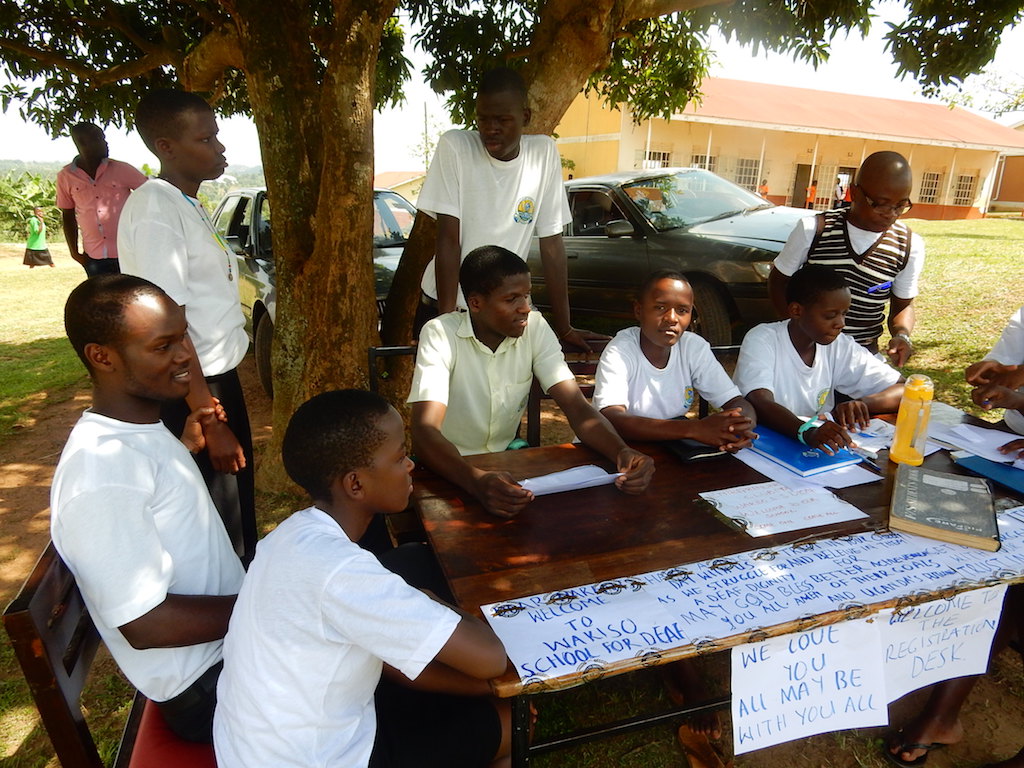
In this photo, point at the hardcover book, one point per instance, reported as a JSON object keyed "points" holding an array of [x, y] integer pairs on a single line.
{"points": [[938, 505]]}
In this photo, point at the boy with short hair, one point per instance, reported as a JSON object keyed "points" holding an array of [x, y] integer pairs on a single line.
{"points": [[318, 617], [790, 370], [482, 363], [878, 255], [648, 375], [165, 236], [497, 185], [131, 516]]}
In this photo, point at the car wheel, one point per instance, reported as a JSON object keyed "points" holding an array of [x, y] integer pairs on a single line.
{"points": [[712, 320], [262, 344]]}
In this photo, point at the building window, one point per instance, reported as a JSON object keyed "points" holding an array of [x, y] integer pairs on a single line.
{"points": [[963, 193], [707, 162], [746, 173], [654, 159], [931, 182]]}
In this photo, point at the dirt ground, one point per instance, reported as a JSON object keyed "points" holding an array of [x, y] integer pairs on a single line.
{"points": [[993, 718]]}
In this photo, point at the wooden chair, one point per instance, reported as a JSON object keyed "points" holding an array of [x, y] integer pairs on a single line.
{"points": [[55, 642]]}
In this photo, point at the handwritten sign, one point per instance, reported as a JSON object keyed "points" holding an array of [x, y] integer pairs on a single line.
{"points": [[798, 685], [766, 508], [584, 629], [940, 640]]}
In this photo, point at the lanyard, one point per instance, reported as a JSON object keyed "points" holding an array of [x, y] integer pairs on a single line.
{"points": [[198, 207]]}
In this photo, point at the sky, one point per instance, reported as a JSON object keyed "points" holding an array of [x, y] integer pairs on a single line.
{"points": [[856, 66]]}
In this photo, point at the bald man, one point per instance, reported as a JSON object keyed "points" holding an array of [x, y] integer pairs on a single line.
{"points": [[879, 256]]}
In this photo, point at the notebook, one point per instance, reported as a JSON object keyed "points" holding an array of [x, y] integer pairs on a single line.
{"points": [[797, 457]]}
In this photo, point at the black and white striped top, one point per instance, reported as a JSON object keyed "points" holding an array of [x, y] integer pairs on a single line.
{"points": [[880, 264]]}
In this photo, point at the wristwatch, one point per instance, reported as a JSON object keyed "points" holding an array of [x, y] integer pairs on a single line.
{"points": [[809, 424], [905, 337]]}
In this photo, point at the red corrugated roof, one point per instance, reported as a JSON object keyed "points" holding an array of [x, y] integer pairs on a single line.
{"points": [[828, 112], [390, 179]]}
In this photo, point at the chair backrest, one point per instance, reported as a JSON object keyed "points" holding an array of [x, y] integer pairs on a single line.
{"points": [[55, 641], [375, 353]]}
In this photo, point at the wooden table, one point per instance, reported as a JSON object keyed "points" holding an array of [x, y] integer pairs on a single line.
{"points": [[597, 534]]}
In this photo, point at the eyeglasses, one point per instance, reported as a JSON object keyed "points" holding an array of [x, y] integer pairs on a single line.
{"points": [[897, 208]]}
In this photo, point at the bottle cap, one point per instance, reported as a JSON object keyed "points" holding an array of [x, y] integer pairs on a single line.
{"points": [[918, 387]]}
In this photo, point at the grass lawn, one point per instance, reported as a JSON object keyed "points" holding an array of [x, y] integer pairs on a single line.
{"points": [[37, 363], [969, 289]]}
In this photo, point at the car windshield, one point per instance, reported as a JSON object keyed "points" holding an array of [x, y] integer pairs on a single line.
{"points": [[687, 197], [393, 217]]}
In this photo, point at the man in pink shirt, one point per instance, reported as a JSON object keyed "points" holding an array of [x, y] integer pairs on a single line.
{"points": [[91, 191]]}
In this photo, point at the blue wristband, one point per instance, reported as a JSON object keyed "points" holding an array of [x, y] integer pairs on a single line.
{"points": [[809, 424]]}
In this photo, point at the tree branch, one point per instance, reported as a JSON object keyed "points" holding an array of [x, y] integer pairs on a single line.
{"points": [[649, 9], [204, 66]]}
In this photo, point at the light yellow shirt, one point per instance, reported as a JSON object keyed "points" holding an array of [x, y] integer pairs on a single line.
{"points": [[485, 392]]}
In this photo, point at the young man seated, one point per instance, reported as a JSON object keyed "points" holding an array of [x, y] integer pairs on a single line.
{"points": [[648, 375], [481, 363], [131, 515], [790, 370], [318, 618]]}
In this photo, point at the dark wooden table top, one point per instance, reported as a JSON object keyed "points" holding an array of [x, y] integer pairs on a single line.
{"points": [[570, 539]]}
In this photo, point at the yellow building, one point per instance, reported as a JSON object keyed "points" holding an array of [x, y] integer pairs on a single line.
{"points": [[793, 137]]}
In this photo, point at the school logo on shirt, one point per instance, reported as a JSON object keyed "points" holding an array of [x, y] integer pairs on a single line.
{"points": [[687, 398], [525, 211], [822, 397]]}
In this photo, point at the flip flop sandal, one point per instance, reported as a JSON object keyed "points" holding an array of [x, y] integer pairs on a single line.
{"points": [[895, 759], [699, 752]]}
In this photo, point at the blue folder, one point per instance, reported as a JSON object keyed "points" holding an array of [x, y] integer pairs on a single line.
{"points": [[1005, 474], [797, 457]]}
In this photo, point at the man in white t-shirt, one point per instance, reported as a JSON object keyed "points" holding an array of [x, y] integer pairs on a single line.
{"points": [[131, 516], [318, 620], [648, 375], [165, 236], [878, 256], [482, 363], [497, 186], [789, 370]]}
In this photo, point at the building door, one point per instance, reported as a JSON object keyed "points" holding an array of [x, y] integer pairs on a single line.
{"points": [[801, 182]]}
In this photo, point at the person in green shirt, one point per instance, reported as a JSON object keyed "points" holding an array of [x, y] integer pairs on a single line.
{"points": [[36, 252]]}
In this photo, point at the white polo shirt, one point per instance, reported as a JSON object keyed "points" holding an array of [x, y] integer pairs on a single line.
{"points": [[1009, 350], [485, 392]]}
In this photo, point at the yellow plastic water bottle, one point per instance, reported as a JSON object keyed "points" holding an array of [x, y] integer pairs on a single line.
{"points": [[912, 421]]}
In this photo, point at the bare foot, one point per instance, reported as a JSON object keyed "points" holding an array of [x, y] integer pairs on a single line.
{"points": [[684, 685], [922, 732]]}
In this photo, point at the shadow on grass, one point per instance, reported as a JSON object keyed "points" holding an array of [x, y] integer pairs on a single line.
{"points": [[32, 373]]}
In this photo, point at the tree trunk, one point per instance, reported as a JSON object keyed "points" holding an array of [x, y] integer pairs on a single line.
{"points": [[317, 144]]}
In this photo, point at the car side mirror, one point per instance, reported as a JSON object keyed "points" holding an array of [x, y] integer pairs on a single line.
{"points": [[619, 228]]}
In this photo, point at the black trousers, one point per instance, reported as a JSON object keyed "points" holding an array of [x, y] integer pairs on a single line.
{"points": [[233, 495]]}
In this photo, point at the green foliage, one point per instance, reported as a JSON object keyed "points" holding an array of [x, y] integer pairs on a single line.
{"points": [[656, 67], [19, 194], [85, 60], [942, 43]]}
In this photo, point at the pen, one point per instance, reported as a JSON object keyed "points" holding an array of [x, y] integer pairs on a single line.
{"points": [[880, 287]]}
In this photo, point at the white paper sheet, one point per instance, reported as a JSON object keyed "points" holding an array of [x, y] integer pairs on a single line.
{"points": [[984, 442], [766, 508], [794, 686], [586, 476], [939, 640]]}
